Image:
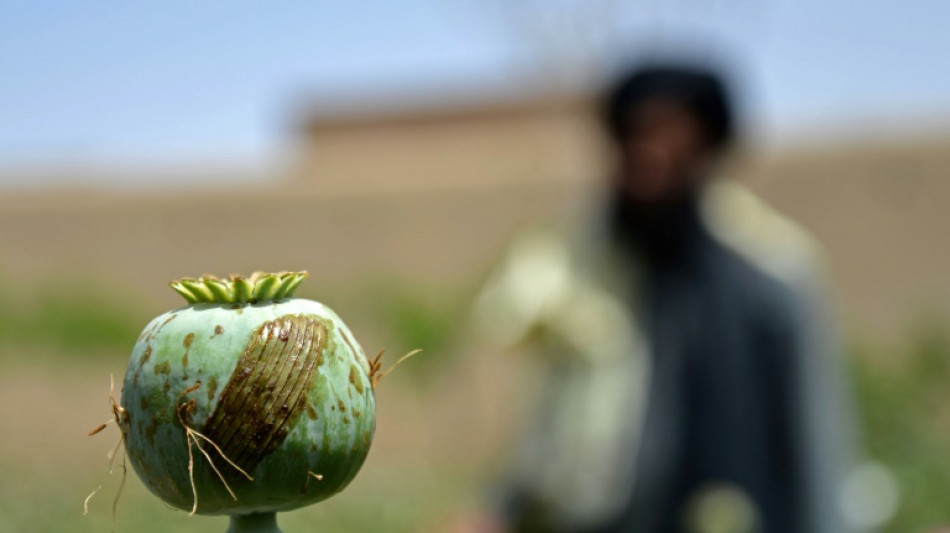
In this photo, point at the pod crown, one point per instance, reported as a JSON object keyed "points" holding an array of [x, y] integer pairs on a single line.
{"points": [[258, 287]]}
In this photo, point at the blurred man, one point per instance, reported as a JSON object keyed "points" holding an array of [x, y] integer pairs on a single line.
{"points": [[690, 374]]}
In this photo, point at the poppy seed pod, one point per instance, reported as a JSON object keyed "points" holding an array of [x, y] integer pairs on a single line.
{"points": [[247, 401]]}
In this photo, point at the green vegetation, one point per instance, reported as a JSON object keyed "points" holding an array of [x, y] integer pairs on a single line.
{"points": [[414, 317], [401, 316], [904, 399], [68, 318], [42, 500]]}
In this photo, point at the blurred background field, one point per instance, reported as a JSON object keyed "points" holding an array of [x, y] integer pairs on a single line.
{"points": [[402, 268], [442, 419], [397, 186]]}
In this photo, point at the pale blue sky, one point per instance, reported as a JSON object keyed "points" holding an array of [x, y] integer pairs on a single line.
{"points": [[176, 80]]}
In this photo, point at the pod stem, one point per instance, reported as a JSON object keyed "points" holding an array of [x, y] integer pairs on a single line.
{"points": [[254, 523]]}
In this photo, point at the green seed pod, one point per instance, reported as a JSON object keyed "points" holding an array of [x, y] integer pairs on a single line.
{"points": [[247, 401]]}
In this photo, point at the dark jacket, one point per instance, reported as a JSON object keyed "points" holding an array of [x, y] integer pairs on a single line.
{"points": [[689, 362]]}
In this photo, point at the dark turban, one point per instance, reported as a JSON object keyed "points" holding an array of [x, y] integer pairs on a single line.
{"points": [[700, 91]]}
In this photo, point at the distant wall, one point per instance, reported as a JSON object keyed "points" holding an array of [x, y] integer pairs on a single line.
{"points": [[142, 241], [522, 142]]}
